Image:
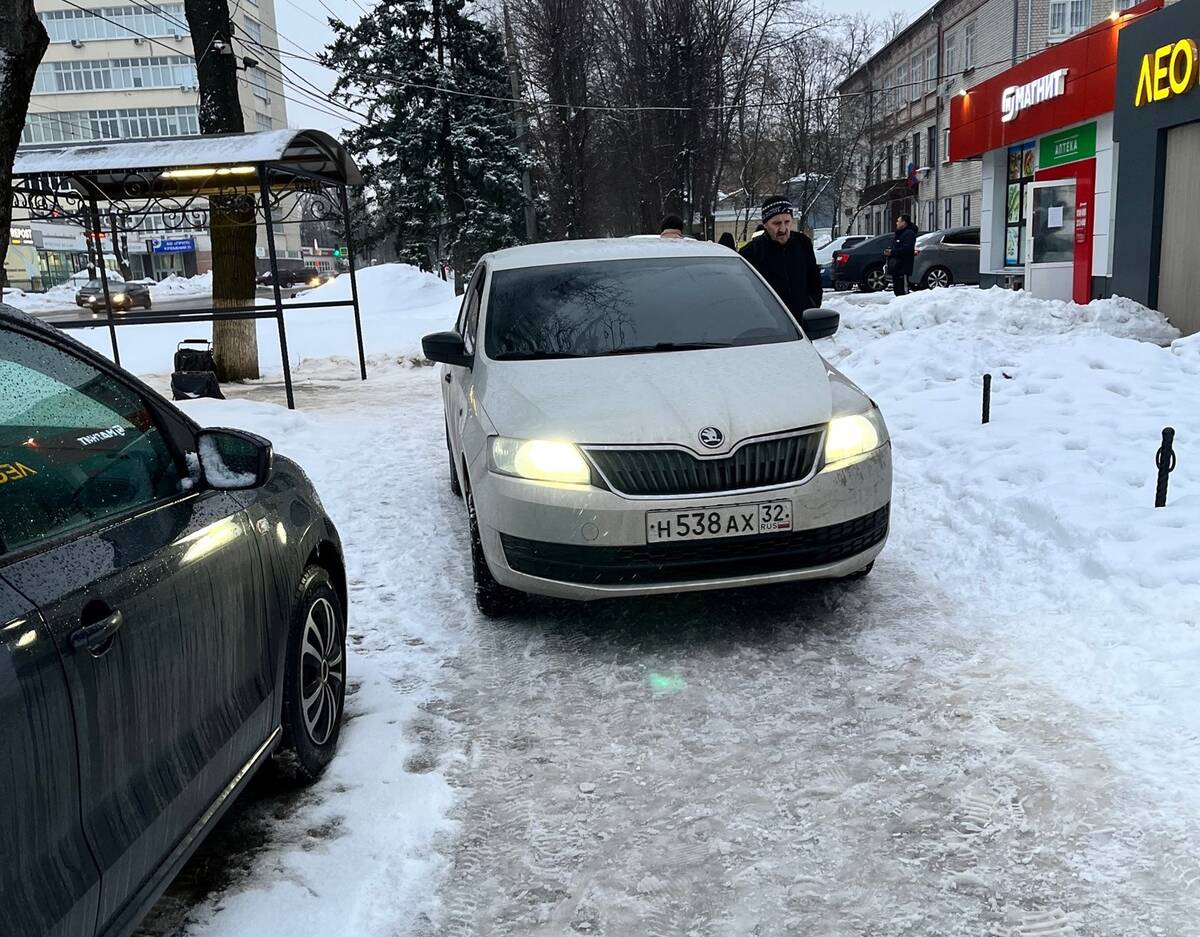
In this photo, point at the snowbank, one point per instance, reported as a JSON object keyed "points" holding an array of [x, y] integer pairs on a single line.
{"points": [[399, 305]]}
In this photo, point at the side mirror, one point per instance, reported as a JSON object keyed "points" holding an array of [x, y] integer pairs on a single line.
{"points": [[446, 348], [233, 460], [820, 323]]}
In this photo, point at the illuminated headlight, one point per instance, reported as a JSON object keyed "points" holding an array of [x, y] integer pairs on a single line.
{"points": [[850, 437], [540, 460], [118, 297]]}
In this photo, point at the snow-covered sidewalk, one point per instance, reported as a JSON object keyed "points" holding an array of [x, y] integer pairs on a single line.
{"points": [[993, 734]]}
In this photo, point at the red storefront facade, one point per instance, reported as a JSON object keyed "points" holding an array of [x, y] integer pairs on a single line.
{"points": [[1044, 132]]}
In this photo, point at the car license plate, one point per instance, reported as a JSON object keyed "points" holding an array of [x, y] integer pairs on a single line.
{"points": [[733, 520]]}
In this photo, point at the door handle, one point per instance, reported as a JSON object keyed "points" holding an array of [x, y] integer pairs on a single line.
{"points": [[446, 378], [94, 636]]}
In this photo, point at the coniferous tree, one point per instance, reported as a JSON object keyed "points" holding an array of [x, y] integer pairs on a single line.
{"points": [[438, 148]]}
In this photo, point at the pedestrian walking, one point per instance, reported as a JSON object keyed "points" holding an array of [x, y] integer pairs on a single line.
{"points": [[726, 240], [901, 254], [785, 258], [670, 227]]}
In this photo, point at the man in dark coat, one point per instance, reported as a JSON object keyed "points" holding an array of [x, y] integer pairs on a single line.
{"points": [[785, 258], [901, 254]]}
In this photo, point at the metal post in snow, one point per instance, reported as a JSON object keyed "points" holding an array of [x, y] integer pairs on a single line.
{"points": [[987, 398], [95, 236], [265, 194], [362, 358], [1164, 459]]}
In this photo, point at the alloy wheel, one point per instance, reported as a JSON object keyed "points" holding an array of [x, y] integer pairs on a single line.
{"points": [[937, 278], [322, 671]]}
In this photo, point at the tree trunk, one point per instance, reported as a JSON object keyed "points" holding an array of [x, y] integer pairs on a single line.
{"points": [[23, 40], [451, 194], [233, 228]]}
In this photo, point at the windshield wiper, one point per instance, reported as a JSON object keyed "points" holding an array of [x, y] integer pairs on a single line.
{"points": [[666, 346]]}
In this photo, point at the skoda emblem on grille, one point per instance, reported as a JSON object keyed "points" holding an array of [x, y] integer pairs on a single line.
{"points": [[711, 437]]}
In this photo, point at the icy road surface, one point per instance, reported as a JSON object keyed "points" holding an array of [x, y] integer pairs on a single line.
{"points": [[993, 734]]}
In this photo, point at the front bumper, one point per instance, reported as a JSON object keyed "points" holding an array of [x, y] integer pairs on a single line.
{"points": [[587, 543]]}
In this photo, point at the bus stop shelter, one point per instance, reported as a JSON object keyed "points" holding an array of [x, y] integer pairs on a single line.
{"points": [[266, 179]]}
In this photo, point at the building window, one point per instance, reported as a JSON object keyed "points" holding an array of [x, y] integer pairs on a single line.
{"points": [[172, 71], [1068, 17], [1058, 18], [258, 83], [870, 223], [902, 160], [916, 71], [946, 145], [252, 28], [931, 67], [916, 152], [166, 19], [890, 161], [966, 210], [969, 45], [931, 153], [951, 56], [117, 124], [1081, 14], [1019, 176], [901, 86], [948, 210], [263, 121], [931, 215]]}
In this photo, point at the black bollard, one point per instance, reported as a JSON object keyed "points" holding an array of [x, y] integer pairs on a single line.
{"points": [[987, 398], [1165, 461]]}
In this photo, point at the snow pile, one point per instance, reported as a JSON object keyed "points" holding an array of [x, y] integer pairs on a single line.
{"points": [[174, 286], [1042, 522], [399, 305]]}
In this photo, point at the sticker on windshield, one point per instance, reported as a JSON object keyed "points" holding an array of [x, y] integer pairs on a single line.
{"points": [[92, 438], [14, 472]]}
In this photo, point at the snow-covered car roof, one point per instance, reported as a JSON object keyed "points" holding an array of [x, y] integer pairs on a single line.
{"points": [[584, 251]]}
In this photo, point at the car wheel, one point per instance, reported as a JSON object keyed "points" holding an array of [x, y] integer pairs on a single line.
{"points": [[455, 485], [147, 304], [874, 280], [937, 278], [491, 598], [314, 688]]}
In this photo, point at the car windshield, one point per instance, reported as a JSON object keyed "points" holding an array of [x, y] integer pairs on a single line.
{"points": [[584, 310]]}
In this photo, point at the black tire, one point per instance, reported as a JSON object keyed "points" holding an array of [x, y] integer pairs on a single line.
{"points": [[147, 304], [937, 277], [316, 666], [873, 279], [455, 484], [492, 599]]}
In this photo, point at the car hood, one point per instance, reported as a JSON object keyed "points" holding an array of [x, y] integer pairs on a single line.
{"points": [[660, 398]]}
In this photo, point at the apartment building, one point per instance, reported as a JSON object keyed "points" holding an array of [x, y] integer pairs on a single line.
{"points": [[897, 104], [124, 70]]}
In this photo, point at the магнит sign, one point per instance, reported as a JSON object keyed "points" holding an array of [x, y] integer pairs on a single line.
{"points": [[1018, 97]]}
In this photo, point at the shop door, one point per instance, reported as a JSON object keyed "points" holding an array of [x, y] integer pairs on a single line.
{"points": [[1050, 239], [1178, 271]]}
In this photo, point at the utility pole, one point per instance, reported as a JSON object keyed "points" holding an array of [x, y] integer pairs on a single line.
{"points": [[522, 127]]}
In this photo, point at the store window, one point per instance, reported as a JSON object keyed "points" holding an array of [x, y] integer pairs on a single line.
{"points": [[948, 211], [1020, 174], [966, 209]]}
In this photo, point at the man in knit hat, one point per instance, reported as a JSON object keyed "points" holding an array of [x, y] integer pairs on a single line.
{"points": [[786, 258]]}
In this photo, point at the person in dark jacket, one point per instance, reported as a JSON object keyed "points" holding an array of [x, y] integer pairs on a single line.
{"points": [[671, 227], [901, 254], [785, 258], [726, 240]]}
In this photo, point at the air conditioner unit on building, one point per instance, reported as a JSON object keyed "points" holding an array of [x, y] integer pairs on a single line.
{"points": [[77, 43], [179, 37], [138, 40]]}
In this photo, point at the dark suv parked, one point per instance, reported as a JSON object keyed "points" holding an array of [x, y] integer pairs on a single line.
{"points": [[947, 257], [294, 276], [172, 611], [863, 265]]}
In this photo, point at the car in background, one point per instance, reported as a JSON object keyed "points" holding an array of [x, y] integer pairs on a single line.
{"points": [[944, 258], [864, 265], [292, 276], [825, 253], [631, 418], [172, 612], [124, 294]]}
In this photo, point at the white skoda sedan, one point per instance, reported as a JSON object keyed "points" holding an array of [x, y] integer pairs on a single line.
{"points": [[630, 417]]}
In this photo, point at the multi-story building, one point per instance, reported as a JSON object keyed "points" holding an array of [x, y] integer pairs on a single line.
{"points": [[897, 105], [126, 69]]}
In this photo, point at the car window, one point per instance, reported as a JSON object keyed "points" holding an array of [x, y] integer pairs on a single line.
{"points": [[76, 445], [629, 306], [460, 323], [970, 237], [474, 301], [931, 238]]}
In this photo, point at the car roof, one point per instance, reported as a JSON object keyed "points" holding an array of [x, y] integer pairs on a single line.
{"points": [[593, 249]]}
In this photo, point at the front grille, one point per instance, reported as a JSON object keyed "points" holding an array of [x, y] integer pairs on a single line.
{"points": [[724, 558], [676, 472]]}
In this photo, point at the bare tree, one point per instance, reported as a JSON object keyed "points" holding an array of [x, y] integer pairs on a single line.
{"points": [[23, 41], [233, 226]]}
